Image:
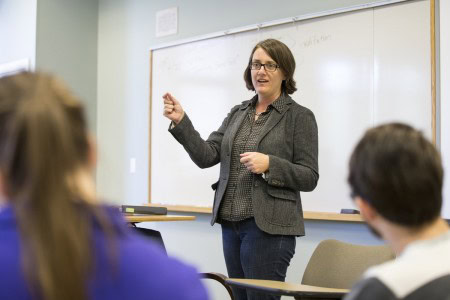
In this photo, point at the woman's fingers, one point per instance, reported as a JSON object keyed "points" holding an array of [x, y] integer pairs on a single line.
{"points": [[255, 162], [169, 99], [174, 100], [172, 108], [169, 105]]}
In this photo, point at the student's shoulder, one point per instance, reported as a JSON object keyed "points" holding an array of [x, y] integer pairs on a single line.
{"points": [[370, 288], [9, 238], [152, 270], [418, 269]]}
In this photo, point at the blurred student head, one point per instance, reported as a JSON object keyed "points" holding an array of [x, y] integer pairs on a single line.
{"points": [[46, 158], [397, 173]]}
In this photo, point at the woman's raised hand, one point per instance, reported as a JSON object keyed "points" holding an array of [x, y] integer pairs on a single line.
{"points": [[172, 108]]}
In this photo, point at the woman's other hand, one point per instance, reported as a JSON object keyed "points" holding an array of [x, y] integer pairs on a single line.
{"points": [[172, 108], [255, 162]]}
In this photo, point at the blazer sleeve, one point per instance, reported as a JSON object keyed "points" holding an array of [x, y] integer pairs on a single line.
{"points": [[302, 173], [203, 153]]}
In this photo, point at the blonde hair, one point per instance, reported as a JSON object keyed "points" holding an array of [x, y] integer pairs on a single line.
{"points": [[44, 150]]}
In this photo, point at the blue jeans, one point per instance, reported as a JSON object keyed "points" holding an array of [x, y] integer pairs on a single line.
{"points": [[254, 254]]}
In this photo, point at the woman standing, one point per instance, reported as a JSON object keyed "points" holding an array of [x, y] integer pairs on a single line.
{"points": [[267, 148]]}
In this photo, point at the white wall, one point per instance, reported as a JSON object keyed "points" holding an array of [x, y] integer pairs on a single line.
{"points": [[17, 30], [126, 32], [67, 46], [58, 37]]}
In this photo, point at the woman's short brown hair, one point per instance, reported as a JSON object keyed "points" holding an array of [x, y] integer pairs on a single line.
{"points": [[281, 54]]}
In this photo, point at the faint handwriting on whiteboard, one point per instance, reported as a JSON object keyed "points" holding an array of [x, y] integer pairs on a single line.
{"points": [[315, 40]]}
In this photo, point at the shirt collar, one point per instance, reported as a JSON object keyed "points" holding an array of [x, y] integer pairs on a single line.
{"points": [[279, 104], [428, 243]]}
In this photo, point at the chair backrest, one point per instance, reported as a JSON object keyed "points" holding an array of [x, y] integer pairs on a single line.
{"points": [[153, 235], [337, 264]]}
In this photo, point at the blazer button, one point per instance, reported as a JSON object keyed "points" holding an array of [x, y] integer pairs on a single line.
{"points": [[256, 184]]}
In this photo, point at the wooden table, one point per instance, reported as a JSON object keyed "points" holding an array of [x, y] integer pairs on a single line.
{"points": [[288, 289], [157, 218]]}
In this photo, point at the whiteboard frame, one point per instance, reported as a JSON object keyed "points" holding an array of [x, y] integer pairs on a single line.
{"points": [[308, 215], [278, 22]]}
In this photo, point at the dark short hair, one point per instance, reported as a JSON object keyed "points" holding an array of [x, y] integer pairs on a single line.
{"points": [[281, 54], [398, 172]]}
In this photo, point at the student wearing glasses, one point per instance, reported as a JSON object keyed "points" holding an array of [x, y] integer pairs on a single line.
{"points": [[267, 148], [57, 242]]}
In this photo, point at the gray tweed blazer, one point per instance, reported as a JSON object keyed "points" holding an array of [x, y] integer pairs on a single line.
{"points": [[290, 139]]}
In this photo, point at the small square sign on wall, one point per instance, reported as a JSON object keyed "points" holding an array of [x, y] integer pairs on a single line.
{"points": [[167, 22]]}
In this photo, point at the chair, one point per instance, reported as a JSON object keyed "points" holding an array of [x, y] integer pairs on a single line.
{"points": [[334, 266], [151, 234], [219, 278]]}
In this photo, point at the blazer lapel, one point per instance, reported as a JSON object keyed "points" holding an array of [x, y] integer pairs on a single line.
{"points": [[241, 114], [273, 120]]}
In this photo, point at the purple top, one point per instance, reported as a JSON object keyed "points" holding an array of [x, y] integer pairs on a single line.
{"points": [[144, 271]]}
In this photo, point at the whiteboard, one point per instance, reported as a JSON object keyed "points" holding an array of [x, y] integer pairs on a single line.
{"points": [[354, 70], [445, 99]]}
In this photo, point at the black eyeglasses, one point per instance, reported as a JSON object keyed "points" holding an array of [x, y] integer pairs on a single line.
{"points": [[267, 67]]}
